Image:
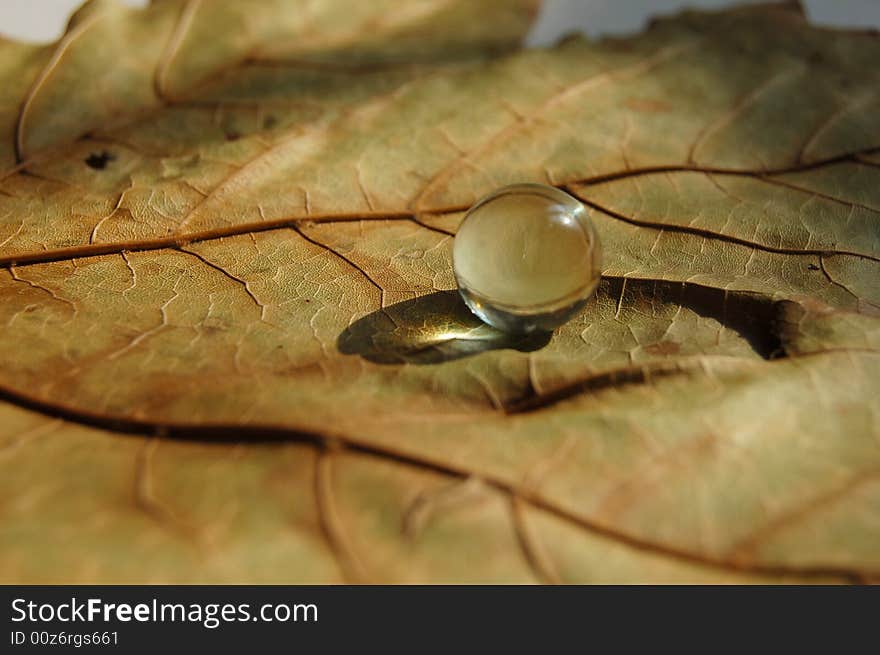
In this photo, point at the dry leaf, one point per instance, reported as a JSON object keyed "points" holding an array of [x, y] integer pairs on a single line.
{"points": [[232, 352]]}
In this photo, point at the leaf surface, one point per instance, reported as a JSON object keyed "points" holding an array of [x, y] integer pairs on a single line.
{"points": [[233, 351]]}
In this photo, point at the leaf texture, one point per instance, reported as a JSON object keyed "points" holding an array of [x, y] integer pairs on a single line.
{"points": [[233, 351]]}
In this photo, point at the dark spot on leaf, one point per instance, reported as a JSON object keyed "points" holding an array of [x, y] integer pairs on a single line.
{"points": [[269, 122], [232, 135], [813, 267], [99, 160]]}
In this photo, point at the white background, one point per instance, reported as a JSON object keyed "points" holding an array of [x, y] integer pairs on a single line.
{"points": [[44, 20]]}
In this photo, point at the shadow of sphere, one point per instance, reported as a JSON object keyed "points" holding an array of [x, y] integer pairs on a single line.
{"points": [[431, 329]]}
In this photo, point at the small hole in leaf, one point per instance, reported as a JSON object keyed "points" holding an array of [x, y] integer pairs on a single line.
{"points": [[99, 161]]}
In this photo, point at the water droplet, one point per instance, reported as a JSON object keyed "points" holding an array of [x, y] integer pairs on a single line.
{"points": [[527, 258]]}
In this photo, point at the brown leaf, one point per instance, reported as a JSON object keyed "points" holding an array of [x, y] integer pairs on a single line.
{"points": [[233, 351]]}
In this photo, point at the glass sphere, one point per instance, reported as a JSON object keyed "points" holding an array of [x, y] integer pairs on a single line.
{"points": [[526, 258]]}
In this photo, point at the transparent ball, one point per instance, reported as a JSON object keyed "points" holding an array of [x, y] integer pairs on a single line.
{"points": [[526, 258]]}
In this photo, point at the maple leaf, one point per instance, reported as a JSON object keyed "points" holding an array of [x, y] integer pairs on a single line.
{"points": [[233, 351]]}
